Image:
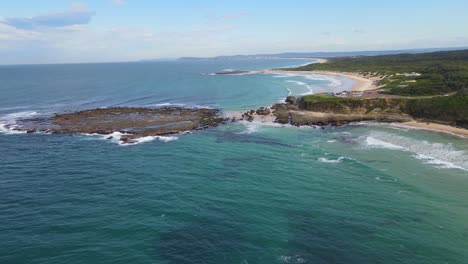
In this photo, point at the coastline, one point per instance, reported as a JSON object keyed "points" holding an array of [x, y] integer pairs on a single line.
{"points": [[434, 127], [365, 83], [362, 83]]}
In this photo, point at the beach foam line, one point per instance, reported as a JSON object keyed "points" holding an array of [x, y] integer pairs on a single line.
{"points": [[361, 83]]}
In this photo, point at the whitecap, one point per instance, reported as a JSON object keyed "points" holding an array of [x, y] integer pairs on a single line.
{"points": [[147, 139], [296, 259], [117, 136], [339, 160], [386, 179]]}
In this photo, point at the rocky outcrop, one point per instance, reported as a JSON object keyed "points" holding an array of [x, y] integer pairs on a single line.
{"points": [[133, 122], [329, 112]]}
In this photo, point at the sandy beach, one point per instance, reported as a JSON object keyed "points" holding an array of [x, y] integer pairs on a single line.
{"points": [[362, 83], [435, 128]]}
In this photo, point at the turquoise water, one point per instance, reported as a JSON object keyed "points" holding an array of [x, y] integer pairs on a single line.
{"points": [[240, 193]]}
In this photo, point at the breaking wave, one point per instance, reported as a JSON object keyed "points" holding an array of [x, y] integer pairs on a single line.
{"points": [[116, 136], [437, 154], [339, 160]]}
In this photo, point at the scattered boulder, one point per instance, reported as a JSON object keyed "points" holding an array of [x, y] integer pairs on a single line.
{"points": [[263, 111]]}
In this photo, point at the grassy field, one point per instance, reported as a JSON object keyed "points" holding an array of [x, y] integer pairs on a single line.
{"points": [[440, 72]]}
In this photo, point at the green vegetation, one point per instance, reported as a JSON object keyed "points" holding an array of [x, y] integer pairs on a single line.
{"points": [[441, 72], [451, 110]]}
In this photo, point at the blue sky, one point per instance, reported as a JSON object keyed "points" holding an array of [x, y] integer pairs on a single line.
{"points": [[56, 31]]}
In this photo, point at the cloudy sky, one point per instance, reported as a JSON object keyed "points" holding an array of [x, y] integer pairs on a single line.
{"points": [[56, 31]]}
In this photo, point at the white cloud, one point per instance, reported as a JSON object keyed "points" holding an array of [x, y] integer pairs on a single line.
{"points": [[79, 14], [10, 33]]}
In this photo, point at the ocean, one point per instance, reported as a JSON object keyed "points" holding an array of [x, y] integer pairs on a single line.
{"points": [[240, 193]]}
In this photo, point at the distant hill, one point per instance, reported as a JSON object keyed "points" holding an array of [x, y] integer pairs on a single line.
{"points": [[323, 54]]}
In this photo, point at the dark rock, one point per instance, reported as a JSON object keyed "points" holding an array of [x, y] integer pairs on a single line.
{"points": [[263, 111], [291, 100]]}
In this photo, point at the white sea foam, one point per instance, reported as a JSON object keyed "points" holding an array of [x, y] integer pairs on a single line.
{"points": [[8, 122], [373, 142], [296, 259], [256, 125], [250, 127], [308, 87], [438, 163], [9, 130], [385, 179], [116, 138], [433, 153], [334, 81], [325, 160], [18, 115], [149, 139], [182, 105]]}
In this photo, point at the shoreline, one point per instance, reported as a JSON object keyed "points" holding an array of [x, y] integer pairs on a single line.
{"points": [[365, 83], [434, 127], [362, 83]]}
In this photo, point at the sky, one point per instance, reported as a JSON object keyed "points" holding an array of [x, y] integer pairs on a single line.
{"points": [[59, 31]]}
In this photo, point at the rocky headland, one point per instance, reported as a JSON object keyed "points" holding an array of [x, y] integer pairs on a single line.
{"points": [[299, 112]]}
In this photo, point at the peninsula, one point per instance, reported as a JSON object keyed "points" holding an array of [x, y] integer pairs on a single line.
{"points": [[427, 91]]}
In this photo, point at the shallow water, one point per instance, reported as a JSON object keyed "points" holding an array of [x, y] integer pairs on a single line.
{"points": [[240, 193]]}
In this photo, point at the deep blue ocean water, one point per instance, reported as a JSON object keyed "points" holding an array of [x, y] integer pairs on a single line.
{"points": [[240, 193]]}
